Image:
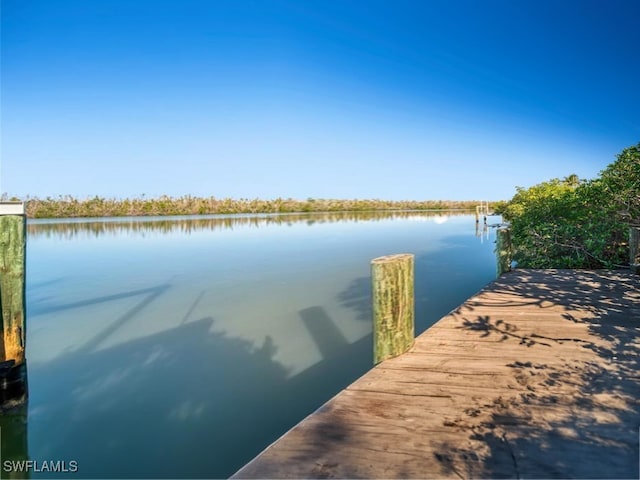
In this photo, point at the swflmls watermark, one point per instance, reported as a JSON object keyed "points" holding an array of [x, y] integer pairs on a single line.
{"points": [[35, 466]]}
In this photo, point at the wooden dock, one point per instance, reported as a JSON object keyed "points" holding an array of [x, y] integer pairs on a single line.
{"points": [[536, 376]]}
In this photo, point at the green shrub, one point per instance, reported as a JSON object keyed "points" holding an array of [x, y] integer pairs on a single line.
{"points": [[578, 224]]}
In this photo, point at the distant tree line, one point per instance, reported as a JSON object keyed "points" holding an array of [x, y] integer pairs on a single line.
{"points": [[573, 223], [68, 206]]}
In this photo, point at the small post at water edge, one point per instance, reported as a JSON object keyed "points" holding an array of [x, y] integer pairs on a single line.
{"points": [[13, 366], [393, 305], [504, 250], [634, 249]]}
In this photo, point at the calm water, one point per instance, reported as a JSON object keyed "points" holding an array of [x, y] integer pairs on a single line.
{"points": [[182, 347]]}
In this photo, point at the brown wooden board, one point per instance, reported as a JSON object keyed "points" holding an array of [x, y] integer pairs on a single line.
{"points": [[536, 376]]}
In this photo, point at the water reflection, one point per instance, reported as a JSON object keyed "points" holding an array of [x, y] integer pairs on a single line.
{"points": [[13, 442], [184, 355], [70, 228], [325, 333], [186, 402], [179, 403]]}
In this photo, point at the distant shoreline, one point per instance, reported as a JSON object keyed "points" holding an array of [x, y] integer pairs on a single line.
{"points": [[70, 207]]}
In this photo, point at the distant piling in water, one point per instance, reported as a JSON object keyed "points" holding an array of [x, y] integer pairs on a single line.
{"points": [[393, 305], [482, 209], [13, 368]]}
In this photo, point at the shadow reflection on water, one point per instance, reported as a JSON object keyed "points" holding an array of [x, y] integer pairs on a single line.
{"points": [[180, 403], [186, 402], [191, 401]]}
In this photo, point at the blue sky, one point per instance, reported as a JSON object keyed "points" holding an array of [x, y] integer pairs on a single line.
{"points": [[318, 98]]}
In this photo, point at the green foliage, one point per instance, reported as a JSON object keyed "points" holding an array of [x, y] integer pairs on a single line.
{"points": [[578, 224], [67, 206], [499, 207], [620, 181]]}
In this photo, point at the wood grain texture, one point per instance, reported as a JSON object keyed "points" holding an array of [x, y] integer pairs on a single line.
{"points": [[536, 376], [12, 285], [393, 305], [504, 253]]}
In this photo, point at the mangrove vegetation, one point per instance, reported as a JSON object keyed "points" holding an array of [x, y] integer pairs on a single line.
{"points": [[70, 207], [574, 223]]}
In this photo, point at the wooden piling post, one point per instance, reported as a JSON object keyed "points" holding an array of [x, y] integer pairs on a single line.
{"points": [[504, 250], [477, 213], [393, 305], [12, 303], [634, 249]]}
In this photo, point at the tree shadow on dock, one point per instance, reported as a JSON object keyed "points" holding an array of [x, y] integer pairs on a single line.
{"points": [[573, 408]]}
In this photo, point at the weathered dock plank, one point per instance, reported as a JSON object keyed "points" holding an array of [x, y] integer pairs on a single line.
{"points": [[538, 375]]}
